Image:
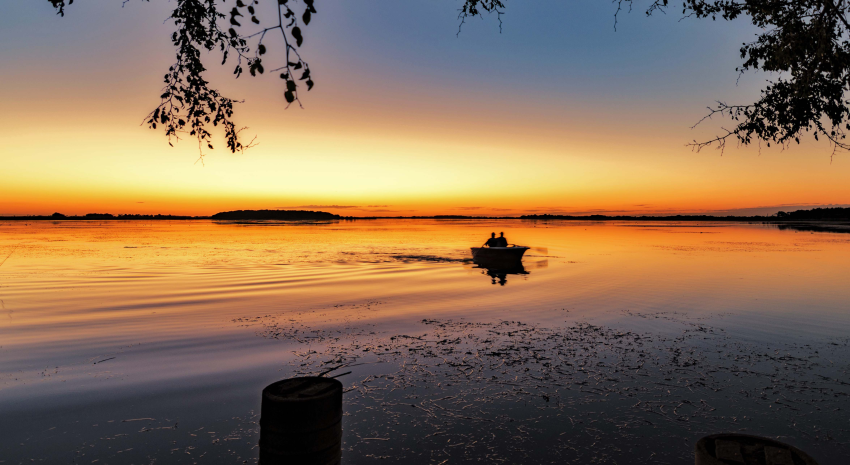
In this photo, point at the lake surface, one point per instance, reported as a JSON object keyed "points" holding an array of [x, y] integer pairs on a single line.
{"points": [[150, 342]]}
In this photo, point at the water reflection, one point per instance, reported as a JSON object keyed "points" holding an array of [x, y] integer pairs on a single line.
{"points": [[498, 270], [134, 320], [815, 227], [499, 274]]}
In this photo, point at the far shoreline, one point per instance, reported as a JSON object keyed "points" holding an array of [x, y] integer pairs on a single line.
{"points": [[817, 219], [590, 218]]}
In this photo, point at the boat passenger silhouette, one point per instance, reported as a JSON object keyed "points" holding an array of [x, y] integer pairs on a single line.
{"points": [[498, 259], [496, 249]]}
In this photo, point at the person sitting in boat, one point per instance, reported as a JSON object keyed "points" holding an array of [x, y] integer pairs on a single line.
{"points": [[501, 241], [492, 242]]}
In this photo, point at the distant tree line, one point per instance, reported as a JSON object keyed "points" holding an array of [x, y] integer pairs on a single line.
{"points": [[110, 216], [647, 217], [280, 215], [815, 214]]}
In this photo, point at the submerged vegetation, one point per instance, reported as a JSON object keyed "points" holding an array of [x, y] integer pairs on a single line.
{"points": [[511, 392]]}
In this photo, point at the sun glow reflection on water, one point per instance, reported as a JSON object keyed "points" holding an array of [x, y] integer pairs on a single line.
{"points": [[111, 321]]}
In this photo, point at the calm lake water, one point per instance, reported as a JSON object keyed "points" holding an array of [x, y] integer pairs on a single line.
{"points": [[141, 343]]}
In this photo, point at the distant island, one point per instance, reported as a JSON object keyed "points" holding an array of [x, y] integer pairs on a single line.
{"points": [[815, 215], [276, 215], [238, 215]]}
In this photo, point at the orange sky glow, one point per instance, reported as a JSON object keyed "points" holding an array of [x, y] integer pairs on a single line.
{"points": [[388, 138]]}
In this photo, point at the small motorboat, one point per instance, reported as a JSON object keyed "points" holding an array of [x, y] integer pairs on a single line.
{"points": [[501, 254], [500, 261]]}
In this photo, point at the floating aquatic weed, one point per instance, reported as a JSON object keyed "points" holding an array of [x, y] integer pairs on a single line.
{"points": [[509, 391]]}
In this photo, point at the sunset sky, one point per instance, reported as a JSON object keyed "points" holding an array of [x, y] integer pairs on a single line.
{"points": [[559, 113]]}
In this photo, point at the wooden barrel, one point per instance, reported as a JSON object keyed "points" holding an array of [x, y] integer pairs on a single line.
{"points": [[301, 422], [742, 449]]}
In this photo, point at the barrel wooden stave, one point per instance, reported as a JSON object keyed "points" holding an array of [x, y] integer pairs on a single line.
{"points": [[301, 442], [744, 449], [330, 456], [301, 422], [302, 404]]}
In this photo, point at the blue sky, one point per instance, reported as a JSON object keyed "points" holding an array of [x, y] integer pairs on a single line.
{"points": [[558, 110]]}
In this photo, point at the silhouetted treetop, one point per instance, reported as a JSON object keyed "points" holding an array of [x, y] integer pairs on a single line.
{"points": [[804, 43], [188, 104]]}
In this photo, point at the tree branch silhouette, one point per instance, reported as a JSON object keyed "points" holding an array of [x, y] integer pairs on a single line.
{"points": [[188, 104], [805, 43], [473, 8]]}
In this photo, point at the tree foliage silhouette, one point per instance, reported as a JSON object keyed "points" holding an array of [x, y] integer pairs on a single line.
{"points": [[804, 43]]}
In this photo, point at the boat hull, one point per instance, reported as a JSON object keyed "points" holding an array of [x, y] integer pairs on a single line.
{"points": [[500, 254]]}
